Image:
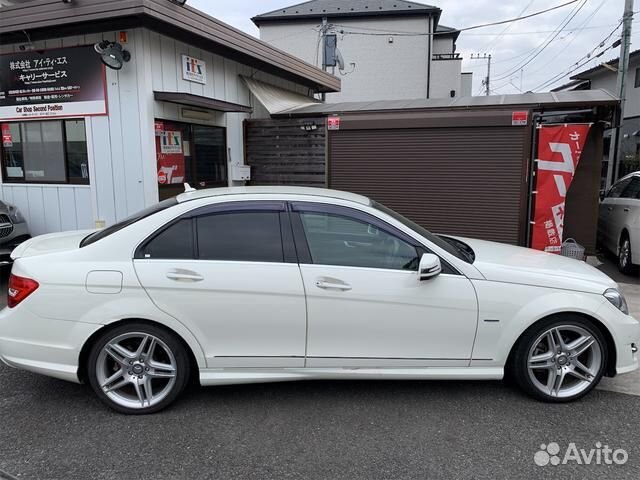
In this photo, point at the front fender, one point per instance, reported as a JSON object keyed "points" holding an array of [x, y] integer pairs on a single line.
{"points": [[507, 310]]}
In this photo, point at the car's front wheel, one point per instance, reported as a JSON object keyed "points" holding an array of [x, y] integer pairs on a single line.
{"points": [[138, 368], [561, 359]]}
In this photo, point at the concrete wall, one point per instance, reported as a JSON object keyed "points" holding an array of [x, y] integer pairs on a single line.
{"points": [[121, 146], [466, 84], [388, 67]]}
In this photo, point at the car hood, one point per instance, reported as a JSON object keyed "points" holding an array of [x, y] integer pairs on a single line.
{"points": [[50, 243], [506, 263]]}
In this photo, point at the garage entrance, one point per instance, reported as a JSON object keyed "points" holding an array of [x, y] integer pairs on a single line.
{"points": [[450, 175]]}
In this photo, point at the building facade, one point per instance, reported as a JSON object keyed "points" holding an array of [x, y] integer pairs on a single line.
{"points": [[605, 77], [87, 145], [392, 49]]}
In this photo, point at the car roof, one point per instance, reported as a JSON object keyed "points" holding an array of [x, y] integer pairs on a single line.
{"points": [[273, 190]]}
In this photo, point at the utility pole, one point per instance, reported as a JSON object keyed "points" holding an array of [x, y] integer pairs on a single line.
{"points": [[323, 33], [324, 28], [613, 167], [487, 81]]}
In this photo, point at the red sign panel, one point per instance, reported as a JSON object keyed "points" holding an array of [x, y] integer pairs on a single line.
{"points": [[520, 118], [7, 139], [333, 123], [559, 151]]}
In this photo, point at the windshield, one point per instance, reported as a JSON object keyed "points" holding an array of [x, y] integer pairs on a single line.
{"points": [[147, 212], [449, 245]]}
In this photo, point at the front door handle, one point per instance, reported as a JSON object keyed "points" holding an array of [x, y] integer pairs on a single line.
{"points": [[609, 208], [180, 275], [327, 285], [625, 209]]}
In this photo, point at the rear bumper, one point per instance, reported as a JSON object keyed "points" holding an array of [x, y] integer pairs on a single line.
{"points": [[41, 345]]}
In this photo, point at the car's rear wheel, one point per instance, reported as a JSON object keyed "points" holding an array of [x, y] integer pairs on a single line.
{"points": [[625, 263], [561, 359], [138, 368]]}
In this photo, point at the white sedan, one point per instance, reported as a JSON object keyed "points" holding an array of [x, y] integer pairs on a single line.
{"points": [[263, 284]]}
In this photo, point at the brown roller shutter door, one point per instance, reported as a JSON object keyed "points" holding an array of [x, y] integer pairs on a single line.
{"points": [[468, 181]]}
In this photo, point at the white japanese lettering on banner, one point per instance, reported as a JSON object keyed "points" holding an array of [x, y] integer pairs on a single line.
{"points": [[559, 151]]}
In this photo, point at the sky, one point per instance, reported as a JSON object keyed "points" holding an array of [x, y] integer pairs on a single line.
{"points": [[519, 61]]}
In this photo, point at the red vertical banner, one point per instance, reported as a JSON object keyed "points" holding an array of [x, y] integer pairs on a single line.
{"points": [[559, 151]]}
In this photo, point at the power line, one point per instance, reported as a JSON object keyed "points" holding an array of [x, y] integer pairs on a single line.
{"points": [[582, 61], [545, 44], [505, 30], [561, 51], [465, 29]]}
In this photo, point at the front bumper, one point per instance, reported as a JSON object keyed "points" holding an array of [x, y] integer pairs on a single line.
{"points": [[625, 331], [19, 234]]}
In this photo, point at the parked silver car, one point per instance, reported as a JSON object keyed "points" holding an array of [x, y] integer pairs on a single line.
{"points": [[619, 222], [13, 230]]}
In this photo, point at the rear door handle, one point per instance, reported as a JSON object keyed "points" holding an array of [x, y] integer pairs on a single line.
{"points": [[332, 286], [609, 208], [625, 209], [184, 276]]}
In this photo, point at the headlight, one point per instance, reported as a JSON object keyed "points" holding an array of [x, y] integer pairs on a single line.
{"points": [[15, 215], [617, 300]]}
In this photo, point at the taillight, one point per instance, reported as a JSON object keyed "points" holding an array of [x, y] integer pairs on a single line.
{"points": [[19, 289]]}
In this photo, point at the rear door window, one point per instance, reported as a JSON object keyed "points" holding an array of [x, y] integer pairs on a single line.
{"points": [[240, 236]]}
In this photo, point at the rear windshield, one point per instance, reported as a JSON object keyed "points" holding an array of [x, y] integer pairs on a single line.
{"points": [[147, 212]]}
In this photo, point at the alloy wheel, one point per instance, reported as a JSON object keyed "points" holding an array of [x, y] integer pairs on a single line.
{"points": [[625, 254], [136, 370], [564, 361]]}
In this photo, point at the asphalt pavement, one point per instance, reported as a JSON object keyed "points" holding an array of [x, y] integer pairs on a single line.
{"points": [[51, 429]]}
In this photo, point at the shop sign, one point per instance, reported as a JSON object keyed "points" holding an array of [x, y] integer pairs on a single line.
{"points": [[159, 128], [559, 151], [59, 82], [194, 69], [520, 119], [171, 142], [333, 123], [7, 139]]}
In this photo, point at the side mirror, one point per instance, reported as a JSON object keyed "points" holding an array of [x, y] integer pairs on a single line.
{"points": [[430, 266]]}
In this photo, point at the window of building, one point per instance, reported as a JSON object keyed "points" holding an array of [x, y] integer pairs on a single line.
{"points": [[636, 83], [53, 151], [195, 154], [240, 236]]}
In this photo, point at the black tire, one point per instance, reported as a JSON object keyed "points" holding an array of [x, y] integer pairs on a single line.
{"points": [[518, 366], [166, 341], [625, 260]]}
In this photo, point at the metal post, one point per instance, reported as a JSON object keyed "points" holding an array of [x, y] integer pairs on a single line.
{"points": [[323, 31], [488, 75], [613, 167]]}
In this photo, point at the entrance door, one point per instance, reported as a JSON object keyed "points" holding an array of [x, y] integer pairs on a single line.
{"points": [[195, 154]]}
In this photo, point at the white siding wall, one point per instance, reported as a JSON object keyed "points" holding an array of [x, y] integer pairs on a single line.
{"points": [[384, 70], [609, 80], [442, 44], [121, 146], [446, 76]]}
